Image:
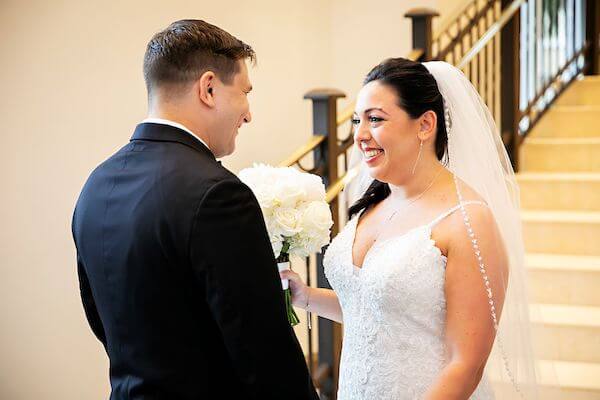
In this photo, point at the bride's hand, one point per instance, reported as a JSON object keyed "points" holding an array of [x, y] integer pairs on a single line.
{"points": [[300, 291]]}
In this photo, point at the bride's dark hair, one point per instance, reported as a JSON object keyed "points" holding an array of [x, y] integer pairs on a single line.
{"points": [[417, 92]]}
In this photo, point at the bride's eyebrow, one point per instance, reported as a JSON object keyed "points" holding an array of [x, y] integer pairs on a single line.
{"points": [[368, 110]]}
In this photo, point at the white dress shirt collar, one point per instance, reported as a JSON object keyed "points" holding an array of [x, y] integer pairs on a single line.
{"points": [[176, 125]]}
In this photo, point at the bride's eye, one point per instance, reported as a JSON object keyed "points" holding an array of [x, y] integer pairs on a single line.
{"points": [[355, 121], [375, 119]]}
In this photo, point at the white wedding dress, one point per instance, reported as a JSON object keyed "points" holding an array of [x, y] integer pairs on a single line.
{"points": [[394, 311]]}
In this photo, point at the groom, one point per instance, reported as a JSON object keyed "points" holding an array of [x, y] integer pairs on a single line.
{"points": [[176, 271]]}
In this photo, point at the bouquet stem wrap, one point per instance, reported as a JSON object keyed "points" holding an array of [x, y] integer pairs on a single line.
{"points": [[283, 263]]}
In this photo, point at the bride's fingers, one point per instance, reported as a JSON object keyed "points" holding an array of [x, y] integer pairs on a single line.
{"points": [[291, 275]]}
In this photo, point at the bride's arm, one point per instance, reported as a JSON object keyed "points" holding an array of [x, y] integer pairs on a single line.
{"points": [[469, 329], [323, 302]]}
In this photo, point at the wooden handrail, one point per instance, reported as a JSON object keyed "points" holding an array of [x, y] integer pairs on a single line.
{"points": [[490, 33], [334, 190], [346, 114], [415, 54], [302, 151], [441, 55], [452, 19]]}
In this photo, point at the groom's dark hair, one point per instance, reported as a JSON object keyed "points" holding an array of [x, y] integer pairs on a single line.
{"points": [[186, 49]]}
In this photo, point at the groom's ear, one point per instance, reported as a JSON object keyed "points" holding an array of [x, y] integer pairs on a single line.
{"points": [[205, 87], [427, 125]]}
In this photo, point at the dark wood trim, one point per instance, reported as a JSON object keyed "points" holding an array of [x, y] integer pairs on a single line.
{"points": [[592, 33], [509, 84], [422, 29]]}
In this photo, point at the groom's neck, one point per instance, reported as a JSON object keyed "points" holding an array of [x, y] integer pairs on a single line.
{"points": [[177, 113]]}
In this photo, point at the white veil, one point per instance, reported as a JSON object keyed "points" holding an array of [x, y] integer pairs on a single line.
{"points": [[477, 156]]}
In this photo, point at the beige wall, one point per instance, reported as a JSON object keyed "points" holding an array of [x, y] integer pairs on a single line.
{"points": [[364, 35], [72, 92]]}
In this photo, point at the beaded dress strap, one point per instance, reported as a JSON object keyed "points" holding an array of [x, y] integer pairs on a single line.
{"points": [[452, 210]]}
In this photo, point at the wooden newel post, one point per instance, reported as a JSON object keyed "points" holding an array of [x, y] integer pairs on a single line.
{"points": [[422, 29], [510, 86], [326, 165], [325, 124], [592, 33]]}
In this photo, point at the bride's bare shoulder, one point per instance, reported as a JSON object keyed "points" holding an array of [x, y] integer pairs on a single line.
{"points": [[478, 214], [467, 192]]}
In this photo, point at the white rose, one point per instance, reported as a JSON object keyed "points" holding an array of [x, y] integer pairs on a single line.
{"points": [[289, 194], [266, 199], [314, 187], [316, 216], [286, 220]]}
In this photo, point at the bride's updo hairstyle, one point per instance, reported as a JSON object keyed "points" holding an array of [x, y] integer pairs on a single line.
{"points": [[417, 92]]}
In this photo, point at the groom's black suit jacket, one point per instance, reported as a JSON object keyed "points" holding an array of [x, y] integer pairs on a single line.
{"points": [[178, 278]]}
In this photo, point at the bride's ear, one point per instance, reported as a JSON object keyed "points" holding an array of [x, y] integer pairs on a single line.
{"points": [[205, 88], [427, 125]]}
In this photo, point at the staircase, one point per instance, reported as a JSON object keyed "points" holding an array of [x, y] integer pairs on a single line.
{"points": [[560, 197]]}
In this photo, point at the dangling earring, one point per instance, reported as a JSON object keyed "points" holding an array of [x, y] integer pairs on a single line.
{"points": [[418, 157], [448, 123]]}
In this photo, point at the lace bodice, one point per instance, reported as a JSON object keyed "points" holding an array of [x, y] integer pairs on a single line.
{"points": [[394, 312]]}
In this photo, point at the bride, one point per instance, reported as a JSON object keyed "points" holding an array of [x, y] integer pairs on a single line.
{"points": [[421, 271]]}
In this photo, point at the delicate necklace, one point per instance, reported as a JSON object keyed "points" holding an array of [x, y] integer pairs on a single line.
{"points": [[407, 205]]}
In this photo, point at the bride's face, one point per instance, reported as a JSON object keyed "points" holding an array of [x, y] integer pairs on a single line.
{"points": [[385, 133]]}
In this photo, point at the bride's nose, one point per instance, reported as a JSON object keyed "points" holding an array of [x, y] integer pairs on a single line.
{"points": [[361, 133]]}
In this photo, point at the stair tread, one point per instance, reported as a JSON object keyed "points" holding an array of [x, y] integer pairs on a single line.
{"points": [[563, 140], [566, 374], [590, 78], [590, 217], [559, 176], [583, 376], [576, 107], [562, 262], [565, 315], [569, 374]]}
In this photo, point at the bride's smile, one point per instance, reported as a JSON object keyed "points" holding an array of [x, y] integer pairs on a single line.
{"points": [[389, 137]]}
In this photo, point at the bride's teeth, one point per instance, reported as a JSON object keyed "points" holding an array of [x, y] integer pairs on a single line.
{"points": [[372, 153]]}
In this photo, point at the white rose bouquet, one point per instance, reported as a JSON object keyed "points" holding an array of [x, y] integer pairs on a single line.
{"points": [[297, 216]]}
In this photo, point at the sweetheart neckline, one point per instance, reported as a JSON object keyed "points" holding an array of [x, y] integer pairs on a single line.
{"points": [[432, 242]]}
